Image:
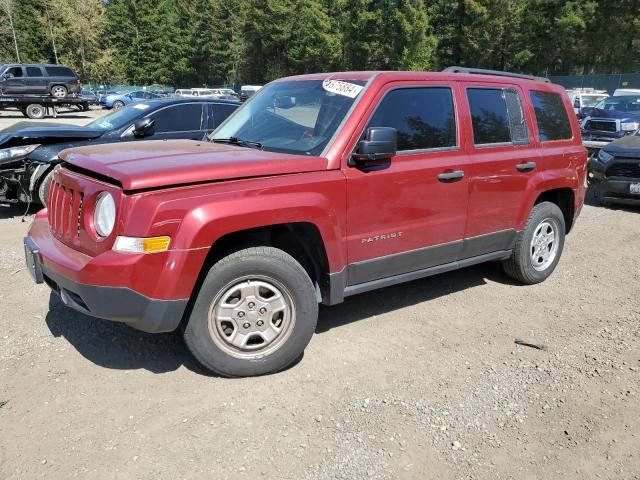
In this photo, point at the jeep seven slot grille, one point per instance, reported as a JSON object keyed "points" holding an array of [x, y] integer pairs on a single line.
{"points": [[602, 125], [626, 170], [65, 211]]}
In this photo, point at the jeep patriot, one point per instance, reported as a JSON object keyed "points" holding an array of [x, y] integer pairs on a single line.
{"points": [[320, 187]]}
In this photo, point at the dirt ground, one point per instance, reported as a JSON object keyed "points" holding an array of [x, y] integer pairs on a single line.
{"points": [[416, 381]]}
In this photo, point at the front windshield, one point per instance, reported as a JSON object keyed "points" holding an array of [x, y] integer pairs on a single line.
{"points": [[119, 118], [620, 104], [592, 100], [294, 116]]}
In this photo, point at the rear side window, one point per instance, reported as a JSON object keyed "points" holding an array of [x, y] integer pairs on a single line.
{"points": [[489, 116], [423, 117], [551, 116], [60, 72], [178, 118], [34, 72], [221, 112]]}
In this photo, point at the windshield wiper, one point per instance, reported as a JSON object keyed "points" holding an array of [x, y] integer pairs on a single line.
{"points": [[238, 141]]}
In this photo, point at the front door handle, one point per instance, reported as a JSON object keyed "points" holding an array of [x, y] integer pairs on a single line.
{"points": [[526, 167], [451, 176]]}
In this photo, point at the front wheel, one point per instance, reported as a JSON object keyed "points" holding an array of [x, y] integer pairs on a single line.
{"points": [[255, 313], [539, 246], [117, 105]]}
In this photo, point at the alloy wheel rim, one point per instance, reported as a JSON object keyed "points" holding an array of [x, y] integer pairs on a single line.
{"points": [[544, 245], [252, 317], [58, 92]]}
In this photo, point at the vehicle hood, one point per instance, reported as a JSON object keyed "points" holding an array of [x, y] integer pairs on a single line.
{"points": [[163, 163], [599, 113], [25, 133], [628, 146]]}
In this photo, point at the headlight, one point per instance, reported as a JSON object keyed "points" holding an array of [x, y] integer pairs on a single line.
{"points": [[604, 157], [16, 152], [629, 126], [104, 216]]}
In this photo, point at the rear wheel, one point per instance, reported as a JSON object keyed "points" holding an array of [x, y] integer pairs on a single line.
{"points": [[539, 246], [255, 313], [35, 111], [59, 91], [117, 105]]}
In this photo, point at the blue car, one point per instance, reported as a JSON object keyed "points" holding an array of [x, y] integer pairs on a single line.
{"points": [[119, 100]]}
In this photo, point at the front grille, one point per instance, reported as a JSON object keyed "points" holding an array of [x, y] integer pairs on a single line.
{"points": [[602, 125], [65, 211], [626, 170]]}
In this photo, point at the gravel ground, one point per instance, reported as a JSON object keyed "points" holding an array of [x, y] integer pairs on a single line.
{"points": [[421, 380]]}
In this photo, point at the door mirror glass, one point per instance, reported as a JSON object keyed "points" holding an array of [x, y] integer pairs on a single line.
{"points": [[282, 101], [143, 127], [380, 143]]}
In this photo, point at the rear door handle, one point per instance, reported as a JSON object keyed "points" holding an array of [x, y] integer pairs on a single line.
{"points": [[451, 176], [526, 167]]}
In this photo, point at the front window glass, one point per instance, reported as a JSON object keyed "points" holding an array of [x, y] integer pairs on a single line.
{"points": [[423, 117], [120, 118], [296, 116]]}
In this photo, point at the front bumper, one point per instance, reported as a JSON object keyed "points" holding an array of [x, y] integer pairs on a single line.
{"points": [[616, 189], [66, 272]]}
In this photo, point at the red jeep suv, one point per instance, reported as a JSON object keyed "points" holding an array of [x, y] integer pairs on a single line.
{"points": [[320, 187]]}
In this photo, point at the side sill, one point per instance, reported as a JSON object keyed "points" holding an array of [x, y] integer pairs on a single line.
{"points": [[426, 272]]}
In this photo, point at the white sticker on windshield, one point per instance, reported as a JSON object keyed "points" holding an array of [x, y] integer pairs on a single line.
{"points": [[140, 106], [339, 87]]}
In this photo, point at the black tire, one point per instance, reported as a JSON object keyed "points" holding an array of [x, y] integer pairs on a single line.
{"points": [[205, 341], [43, 188], [520, 265], [59, 91], [35, 111], [117, 105]]}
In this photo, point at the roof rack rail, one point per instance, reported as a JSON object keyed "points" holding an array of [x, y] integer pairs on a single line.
{"points": [[480, 71]]}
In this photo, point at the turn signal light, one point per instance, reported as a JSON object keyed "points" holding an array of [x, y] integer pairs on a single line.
{"points": [[141, 245]]}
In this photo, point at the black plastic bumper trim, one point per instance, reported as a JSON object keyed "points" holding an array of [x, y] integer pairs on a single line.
{"points": [[119, 304]]}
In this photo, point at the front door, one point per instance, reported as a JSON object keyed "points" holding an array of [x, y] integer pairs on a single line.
{"points": [[13, 80], [409, 214]]}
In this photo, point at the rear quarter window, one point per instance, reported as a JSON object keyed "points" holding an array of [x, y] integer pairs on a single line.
{"points": [[551, 116], [60, 72]]}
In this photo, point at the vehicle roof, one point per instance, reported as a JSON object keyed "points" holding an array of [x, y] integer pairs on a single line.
{"points": [[174, 100], [33, 65], [412, 76]]}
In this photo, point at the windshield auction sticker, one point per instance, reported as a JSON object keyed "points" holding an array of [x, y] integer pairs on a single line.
{"points": [[339, 87]]}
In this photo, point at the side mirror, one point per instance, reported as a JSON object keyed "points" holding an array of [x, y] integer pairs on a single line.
{"points": [[143, 127], [284, 102], [380, 143]]}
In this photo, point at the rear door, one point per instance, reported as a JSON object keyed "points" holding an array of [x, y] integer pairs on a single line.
{"points": [[505, 157], [184, 120], [221, 111], [35, 81], [409, 213]]}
